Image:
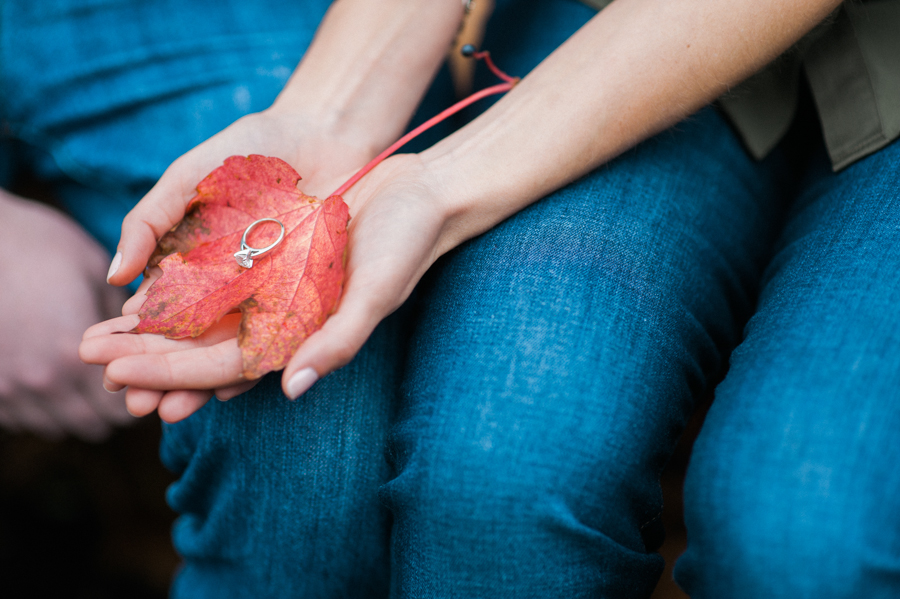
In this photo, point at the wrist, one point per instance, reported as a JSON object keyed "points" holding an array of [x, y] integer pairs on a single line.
{"points": [[480, 182], [369, 66], [407, 177], [323, 129]]}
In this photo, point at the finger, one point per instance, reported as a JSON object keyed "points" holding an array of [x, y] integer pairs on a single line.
{"points": [[210, 367], [104, 349], [121, 324], [154, 215], [109, 386], [333, 346], [134, 303], [108, 403], [141, 402], [226, 393], [178, 405]]}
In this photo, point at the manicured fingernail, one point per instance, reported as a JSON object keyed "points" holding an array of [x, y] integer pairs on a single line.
{"points": [[116, 262], [300, 382]]}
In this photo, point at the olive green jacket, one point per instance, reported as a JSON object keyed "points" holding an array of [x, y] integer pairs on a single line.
{"points": [[852, 64]]}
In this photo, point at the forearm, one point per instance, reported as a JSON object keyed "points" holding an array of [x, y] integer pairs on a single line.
{"points": [[638, 67], [369, 66]]}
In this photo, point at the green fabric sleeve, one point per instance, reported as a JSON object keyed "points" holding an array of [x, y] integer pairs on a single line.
{"points": [[852, 63]]}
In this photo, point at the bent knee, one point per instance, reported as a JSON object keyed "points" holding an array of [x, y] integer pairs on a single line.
{"points": [[522, 525], [497, 480], [786, 528]]}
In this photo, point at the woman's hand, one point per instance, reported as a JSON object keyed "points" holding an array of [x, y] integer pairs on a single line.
{"points": [[159, 372], [395, 232], [636, 68], [351, 96], [324, 162]]}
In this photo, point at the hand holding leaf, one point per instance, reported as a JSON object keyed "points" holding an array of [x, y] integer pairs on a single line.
{"points": [[287, 294], [394, 240], [179, 376]]}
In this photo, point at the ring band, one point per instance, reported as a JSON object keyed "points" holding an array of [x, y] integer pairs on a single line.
{"points": [[246, 254]]}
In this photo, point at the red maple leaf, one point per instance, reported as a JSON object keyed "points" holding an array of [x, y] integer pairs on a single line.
{"points": [[287, 294]]}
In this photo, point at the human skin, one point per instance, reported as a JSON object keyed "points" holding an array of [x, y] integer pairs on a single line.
{"points": [[636, 68], [52, 286]]}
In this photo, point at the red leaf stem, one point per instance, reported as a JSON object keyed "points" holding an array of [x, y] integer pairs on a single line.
{"points": [[489, 91], [486, 57]]}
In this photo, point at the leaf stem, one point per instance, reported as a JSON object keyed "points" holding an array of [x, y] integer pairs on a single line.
{"points": [[489, 91], [486, 57]]}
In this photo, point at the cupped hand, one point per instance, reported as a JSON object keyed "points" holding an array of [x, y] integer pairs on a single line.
{"points": [[174, 376], [53, 287], [395, 234], [177, 377], [398, 228]]}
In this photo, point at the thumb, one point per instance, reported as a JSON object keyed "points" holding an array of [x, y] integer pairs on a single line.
{"points": [[157, 212], [332, 346]]}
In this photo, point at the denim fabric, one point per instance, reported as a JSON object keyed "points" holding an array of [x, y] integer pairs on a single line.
{"points": [[279, 498], [503, 433], [794, 483], [523, 450], [554, 363]]}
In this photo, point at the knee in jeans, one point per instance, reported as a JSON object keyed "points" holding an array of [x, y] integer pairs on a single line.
{"points": [[755, 532], [484, 485]]}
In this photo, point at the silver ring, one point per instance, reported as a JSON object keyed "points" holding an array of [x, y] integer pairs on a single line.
{"points": [[246, 254]]}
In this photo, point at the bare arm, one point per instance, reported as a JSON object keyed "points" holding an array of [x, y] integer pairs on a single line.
{"points": [[352, 95], [638, 67]]}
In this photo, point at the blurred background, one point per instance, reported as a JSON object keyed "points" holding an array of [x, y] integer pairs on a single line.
{"points": [[85, 520]]}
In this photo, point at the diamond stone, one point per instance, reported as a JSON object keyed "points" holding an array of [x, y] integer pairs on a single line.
{"points": [[243, 258]]}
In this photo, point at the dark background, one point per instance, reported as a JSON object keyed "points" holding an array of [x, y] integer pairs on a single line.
{"points": [[81, 520]]}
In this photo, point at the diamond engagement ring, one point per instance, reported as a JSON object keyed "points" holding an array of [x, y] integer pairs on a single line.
{"points": [[246, 254]]}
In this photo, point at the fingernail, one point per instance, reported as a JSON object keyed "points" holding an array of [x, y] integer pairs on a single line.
{"points": [[116, 262], [300, 382], [110, 386]]}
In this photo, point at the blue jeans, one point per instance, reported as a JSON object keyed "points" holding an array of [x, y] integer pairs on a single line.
{"points": [[502, 434], [799, 456]]}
